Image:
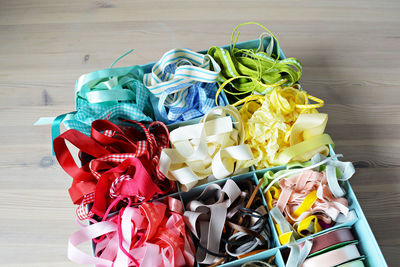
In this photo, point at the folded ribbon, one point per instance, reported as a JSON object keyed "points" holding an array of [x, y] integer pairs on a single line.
{"points": [[283, 126], [217, 216], [115, 161], [184, 84], [212, 147], [255, 70], [305, 198], [110, 94], [152, 235]]}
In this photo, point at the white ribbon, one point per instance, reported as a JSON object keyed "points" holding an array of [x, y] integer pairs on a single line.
{"points": [[215, 146]]}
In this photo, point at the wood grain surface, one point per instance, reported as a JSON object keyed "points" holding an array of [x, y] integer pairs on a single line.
{"points": [[349, 50]]}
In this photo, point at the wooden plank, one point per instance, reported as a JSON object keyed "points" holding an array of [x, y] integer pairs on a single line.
{"points": [[350, 54]]}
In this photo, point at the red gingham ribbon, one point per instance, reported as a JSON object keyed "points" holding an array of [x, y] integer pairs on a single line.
{"points": [[110, 158], [81, 210]]}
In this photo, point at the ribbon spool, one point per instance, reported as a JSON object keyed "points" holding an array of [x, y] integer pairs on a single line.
{"points": [[335, 257], [283, 127], [228, 222], [214, 147], [152, 234], [331, 248], [115, 161], [255, 70], [183, 85]]}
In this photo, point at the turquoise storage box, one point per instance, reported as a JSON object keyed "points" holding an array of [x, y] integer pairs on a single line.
{"points": [[360, 228]]}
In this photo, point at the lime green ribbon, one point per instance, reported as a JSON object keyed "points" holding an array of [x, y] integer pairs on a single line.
{"points": [[256, 69], [269, 176]]}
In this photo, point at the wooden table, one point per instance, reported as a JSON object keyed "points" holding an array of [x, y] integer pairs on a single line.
{"points": [[349, 50]]}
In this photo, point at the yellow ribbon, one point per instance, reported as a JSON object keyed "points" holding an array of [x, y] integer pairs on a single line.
{"points": [[273, 193], [283, 126], [306, 204], [308, 225], [284, 238]]}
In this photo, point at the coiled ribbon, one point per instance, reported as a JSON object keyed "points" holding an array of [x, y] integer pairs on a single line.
{"points": [[105, 94], [212, 147], [184, 84], [283, 126], [150, 235], [255, 70], [305, 198], [115, 161], [223, 215]]}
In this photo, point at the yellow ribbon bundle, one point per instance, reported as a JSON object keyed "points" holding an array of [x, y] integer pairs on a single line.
{"points": [[283, 126]]}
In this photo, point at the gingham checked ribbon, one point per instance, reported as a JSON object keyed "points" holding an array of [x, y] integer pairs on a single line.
{"points": [[116, 160], [183, 85]]}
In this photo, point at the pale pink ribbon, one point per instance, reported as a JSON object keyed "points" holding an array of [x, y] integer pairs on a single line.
{"points": [[296, 188], [333, 257], [143, 236]]}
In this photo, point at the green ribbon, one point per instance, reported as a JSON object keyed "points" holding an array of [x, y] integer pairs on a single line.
{"points": [[261, 65], [98, 87], [269, 176]]}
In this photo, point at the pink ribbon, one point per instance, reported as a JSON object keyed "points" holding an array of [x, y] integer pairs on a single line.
{"points": [[151, 235], [294, 190]]}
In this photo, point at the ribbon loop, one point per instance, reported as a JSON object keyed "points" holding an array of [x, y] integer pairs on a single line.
{"points": [[116, 161], [212, 147], [183, 85]]}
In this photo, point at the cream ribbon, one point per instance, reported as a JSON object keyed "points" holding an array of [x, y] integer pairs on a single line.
{"points": [[212, 148]]}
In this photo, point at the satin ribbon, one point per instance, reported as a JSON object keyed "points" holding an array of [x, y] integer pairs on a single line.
{"points": [[152, 235], [254, 70], [183, 84], [110, 94], [212, 147], [334, 257], [305, 197], [283, 127], [329, 239], [356, 263], [210, 218], [115, 161], [319, 244]]}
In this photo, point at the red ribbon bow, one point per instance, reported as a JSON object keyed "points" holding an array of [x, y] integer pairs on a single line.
{"points": [[116, 160]]}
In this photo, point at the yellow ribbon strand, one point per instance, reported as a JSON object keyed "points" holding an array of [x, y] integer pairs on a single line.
{"points": [[284, 126], [272, 194], [307, 203], [309, 225]]}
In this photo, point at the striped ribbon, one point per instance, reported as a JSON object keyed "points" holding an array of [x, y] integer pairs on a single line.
{"points": [[183, 84]]}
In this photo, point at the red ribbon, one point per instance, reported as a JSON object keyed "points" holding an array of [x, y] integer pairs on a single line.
{"points": [[113, 152]]}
